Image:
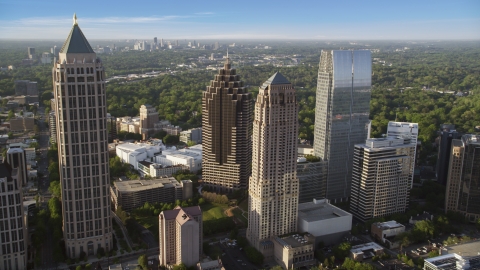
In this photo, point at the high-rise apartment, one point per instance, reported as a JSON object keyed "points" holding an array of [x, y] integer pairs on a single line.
{"points": [[341, 114], [226, 131], [148, 119], [31, 52], [382, 175], [446, 134], [17, 159], [463, 182], [273, 186], [180, 236], [80, 100], [13, 248]]}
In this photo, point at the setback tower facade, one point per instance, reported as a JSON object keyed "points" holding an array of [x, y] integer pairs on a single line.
{"points": [[341, 115], [81, 120], [273, 186], [226, 131]]}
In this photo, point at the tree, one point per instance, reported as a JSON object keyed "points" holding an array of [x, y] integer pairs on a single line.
{"points": [[342, 250], [181, 266], [11, 114], [191, 143], [10, 135], [171, 139], [143, 261]]}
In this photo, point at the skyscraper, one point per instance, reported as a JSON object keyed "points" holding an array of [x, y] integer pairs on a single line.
{"points": [[382, 177], [13, 248], [17, 159], [446, 134], [463, 182], [31, 52], [341, 114], [148, 118], [273, 186], [80, 100], [226, 131]]}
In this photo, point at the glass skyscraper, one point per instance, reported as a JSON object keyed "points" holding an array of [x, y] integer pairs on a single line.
{"points": [[341, 114]]}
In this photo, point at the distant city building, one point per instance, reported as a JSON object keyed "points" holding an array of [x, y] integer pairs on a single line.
{"points": [[326, 222], [13, 251], [341, 115], [17, 160], [463, 182], [46, 58], [22, 124], [26, 88], [31, 52], [148, 118], [404, 130], [132, 153], [385, 232], [180, 236], [446, 134], [273, 186], [155, 44], [226, 131], [54, 51], [191, 135], [135, 193], [79, 82], [382, 177]]}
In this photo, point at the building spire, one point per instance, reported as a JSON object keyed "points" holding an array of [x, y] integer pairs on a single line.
{"points": [[75, 19], [228, 59]]}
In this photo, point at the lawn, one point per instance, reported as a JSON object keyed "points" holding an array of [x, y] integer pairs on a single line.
{"points": [[213, 211]]}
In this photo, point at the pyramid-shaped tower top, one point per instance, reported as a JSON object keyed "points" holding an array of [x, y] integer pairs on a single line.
{"points": [[276, 79], [76, 41]]}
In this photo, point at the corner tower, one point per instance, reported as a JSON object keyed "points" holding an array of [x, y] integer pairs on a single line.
{"points": [[81, 119], [226, 131]]}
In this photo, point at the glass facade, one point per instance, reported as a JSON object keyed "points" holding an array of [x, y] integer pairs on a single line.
{"points": [[341, 114]]}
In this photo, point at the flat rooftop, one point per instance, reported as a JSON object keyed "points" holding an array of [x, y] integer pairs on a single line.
{"points": [[319, 210], [358, 249], [293, 241], [139, 185], [392, 224], [466, 250]]}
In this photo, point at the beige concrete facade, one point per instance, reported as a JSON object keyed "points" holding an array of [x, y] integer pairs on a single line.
{"points": [[294, 251], [226, 131], [79, 92], [180, 236], [148, 118], [274, 186]]}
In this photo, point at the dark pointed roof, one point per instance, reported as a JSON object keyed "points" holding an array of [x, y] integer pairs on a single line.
{"points": [[277, 78], [76, 42]]}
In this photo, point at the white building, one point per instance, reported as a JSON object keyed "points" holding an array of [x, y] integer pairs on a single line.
{"points": [[190, 157], [365, 251], [326, 222], [132, 153]]}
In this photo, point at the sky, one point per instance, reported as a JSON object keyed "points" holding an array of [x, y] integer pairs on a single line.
{"points": [[245, 19]]}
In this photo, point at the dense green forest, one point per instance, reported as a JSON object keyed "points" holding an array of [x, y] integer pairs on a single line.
{"points": [[403, 83]]}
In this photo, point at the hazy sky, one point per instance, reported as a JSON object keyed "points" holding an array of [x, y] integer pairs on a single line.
{"points": [[242, 19]]}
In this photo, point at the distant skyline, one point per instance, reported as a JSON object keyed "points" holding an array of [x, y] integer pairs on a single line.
{"points": [[322, 20]]}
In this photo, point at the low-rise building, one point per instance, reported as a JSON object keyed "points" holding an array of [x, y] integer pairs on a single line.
{"points": [[135, 193], [365, 251], [294, 251], [159, 170], [452, 262], [326, 222], [211, 265], [193, 135], [385, 232], [420, 217], [133, 153], [22, 124], [189, 157]]}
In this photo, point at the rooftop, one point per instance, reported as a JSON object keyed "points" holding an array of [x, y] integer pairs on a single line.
{"points": [[139, 185], [466, 250], [365, 247], [319, 210], [292, 241], [76, 41], [392, 224]]}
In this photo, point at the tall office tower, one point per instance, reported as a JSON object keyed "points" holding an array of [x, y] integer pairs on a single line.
{"points": [[463, 182], [311, 177], [161, 43], [341, 114], [26, 88], [180, 236], [446, 134], [404, 129], [155, 43], [273, 186], [226, 131], [79, 92], [148, 118], [31, 52], [382, 177], [13, 247], [216, 46], [17, 159]]}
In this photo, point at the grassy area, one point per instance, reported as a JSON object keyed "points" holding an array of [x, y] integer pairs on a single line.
{"points": [[147, 222], [238, 214], [244, 204], [213, 211]]}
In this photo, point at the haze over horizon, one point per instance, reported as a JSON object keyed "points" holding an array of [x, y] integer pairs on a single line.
{"points": [[312, 20]]}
